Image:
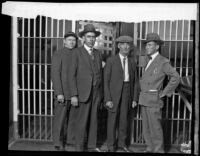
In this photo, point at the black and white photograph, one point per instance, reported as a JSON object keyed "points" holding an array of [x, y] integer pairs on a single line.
{"points": [[103, 77]]}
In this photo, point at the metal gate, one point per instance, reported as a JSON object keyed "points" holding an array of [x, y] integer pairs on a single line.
{"points": [[37, 39]]}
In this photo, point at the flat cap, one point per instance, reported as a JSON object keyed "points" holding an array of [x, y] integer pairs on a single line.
{"points": [[70, 34], [124, 39]]}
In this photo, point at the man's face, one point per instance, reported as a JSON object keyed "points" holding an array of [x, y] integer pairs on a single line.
{"points": [[124, 48], [70, 42], [151, 47], [89, 39]]}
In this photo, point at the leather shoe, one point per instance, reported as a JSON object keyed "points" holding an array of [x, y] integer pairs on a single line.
{"points": [[95, 150], [59, 148], [124, 149]]}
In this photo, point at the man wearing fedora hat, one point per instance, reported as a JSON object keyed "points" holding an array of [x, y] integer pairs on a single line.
{"points": [[86, 89], [152, 93], [120, 92], [61, 61]]}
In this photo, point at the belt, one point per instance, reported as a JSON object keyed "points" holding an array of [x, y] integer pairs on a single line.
{"points": [[126, 82]]}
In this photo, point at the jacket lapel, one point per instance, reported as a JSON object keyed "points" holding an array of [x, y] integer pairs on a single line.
{"points": [[86, 56], [119, 64], [152, 65]]}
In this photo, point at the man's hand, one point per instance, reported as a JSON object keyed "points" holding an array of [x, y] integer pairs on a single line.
{"points": [[74, 101], [134, 104], [60, 98], [109, 104]]}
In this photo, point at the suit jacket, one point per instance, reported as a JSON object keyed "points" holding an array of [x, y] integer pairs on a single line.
{"points": [[81, 75], [61, 61], [152, 79], [113, 80]]}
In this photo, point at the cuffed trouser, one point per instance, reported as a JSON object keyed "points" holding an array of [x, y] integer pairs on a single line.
{"points": [[59, 123], [87, 119], [152, 129], [119, 118]]}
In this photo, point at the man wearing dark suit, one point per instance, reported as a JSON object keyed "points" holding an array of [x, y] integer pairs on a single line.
{"points": [[85, 88], [61, 62], [120, 91], [150, 99]]}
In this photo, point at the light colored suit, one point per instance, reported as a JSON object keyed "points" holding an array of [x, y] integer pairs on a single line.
{"points": [[151, 84]]}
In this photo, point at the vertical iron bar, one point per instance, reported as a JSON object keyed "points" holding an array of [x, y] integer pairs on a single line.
{"points": [[34, 76], [15, 52], [23, 100], [40, 103], [28, 64]]}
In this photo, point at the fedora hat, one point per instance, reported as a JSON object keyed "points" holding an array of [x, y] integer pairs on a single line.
{"points": [[153, 37], [123, 39], [70, 34], [89, 28]]}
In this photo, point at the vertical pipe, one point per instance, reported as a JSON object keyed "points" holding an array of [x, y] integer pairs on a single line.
{"points": [[176, 38], [23, 100], [15, 75], [34, 85], [188, 47], [51, 81], [46, 77], [28, 64], [73, 26], [40, 103]]}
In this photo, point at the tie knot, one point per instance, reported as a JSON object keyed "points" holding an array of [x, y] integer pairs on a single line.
{"points": [[124, 58], [149, 56]]}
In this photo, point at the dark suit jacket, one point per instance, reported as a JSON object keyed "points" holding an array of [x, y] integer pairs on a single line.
{"points": [[113, 80], [152, 79], [61, 61], [81, 73]]}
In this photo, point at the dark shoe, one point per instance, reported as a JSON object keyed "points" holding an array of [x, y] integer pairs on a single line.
{"points": [[123, 149], [95, 150], [59, 148]]}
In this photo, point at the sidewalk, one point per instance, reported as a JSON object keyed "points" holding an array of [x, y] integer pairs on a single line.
{"points": [[48, 146]]}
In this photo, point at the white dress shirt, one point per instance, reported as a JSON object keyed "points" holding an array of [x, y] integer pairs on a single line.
{"points": [[126, 67], [88, 48], [150, 61]]}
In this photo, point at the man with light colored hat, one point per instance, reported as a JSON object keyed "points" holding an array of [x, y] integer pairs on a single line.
{"points": [[86, 89], [61, 62], [120, 92], [151, 94]]}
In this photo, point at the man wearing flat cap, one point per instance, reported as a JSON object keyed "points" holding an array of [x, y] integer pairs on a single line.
{"points": [[151, 94], [120, 93], [61, 62], [86, 89]]}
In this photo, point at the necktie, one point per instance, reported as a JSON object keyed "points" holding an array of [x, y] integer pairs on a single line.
{"points": [[92, 54], [124, 61], [149, 59]]}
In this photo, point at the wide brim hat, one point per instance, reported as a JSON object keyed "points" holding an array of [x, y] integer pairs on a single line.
{"points": [[89, 28], [124, 39], [153, 37], [70, 34]]}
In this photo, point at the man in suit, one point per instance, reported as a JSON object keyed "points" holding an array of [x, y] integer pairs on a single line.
{"points": [[86, 89], [120, 91], [150, 99], [61, 62]]}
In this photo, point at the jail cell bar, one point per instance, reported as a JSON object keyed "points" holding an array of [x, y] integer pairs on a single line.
{"points": [[178, 48], [37, 41]]}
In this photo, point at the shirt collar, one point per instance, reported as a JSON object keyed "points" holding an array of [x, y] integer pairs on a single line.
{"points": [[154, 55], [121, 56], [87, 48]]}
